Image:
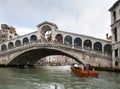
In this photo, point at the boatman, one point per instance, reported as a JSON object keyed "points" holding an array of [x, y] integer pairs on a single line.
{"points": [[81, 66]]}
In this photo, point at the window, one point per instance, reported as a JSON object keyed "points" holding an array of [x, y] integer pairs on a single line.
{"points": [[115, 34], [11, 32], [3, 40], [3, 36], [16, 34], [114, 16], [10, 37], [116, 52], [116, 63]]}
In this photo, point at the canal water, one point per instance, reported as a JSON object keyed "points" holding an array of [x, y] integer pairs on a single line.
{"points": [[54, 77]]}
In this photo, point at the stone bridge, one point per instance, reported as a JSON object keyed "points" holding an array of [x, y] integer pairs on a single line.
{"points": [[34, 51], [48, 40]]}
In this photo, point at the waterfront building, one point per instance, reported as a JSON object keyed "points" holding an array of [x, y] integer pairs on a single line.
{"points": [[7, 33], [115, 30], [58, 59]]}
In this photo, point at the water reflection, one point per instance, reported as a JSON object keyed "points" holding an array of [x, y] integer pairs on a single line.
{"points": [[51, 76]]}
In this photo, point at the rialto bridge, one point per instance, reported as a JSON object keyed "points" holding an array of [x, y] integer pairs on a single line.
{"points": [[49, 40]]}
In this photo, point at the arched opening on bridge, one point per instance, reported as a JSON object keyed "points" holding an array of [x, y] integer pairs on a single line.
{"points": [[46, 33], [25, 40], [88, 44], [108, 49], [97, 46], [3, 47], [17, 43], [59, 38], [78, 42], [10, 45], [68, 40], [33, 38]]}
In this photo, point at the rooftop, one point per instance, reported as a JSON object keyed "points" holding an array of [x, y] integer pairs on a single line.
{"points": [[114, 5]]}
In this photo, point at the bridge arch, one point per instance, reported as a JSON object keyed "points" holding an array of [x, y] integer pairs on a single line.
{"points": [[88, 44], [78, 42], [108, 49], [10, 45], [59, 37], [4, 47], [68, 40], [17, 43], [26, 56], [33, 38], [98, 46], [25, 40]]}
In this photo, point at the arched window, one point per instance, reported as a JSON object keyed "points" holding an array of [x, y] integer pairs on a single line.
{"points": [[68, 40], [33, 38], [88, 44], [78, 42], [10, 45], [17, 43], [98, 46], [114, 16], [3, 47], [115, 34], [108, 49], [25, 40], [59, 38]]}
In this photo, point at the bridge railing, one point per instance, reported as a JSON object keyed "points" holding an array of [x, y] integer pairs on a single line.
{"points": [[53, 44], [78, 48]]}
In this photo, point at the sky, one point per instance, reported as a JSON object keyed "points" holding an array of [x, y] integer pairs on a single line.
{"points": [[86, 17]]}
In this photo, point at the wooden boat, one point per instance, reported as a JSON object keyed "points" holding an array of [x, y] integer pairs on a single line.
{"points": [[84, 73]]}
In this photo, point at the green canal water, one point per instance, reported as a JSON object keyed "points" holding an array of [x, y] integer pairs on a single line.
{"points": [[54, 77]]}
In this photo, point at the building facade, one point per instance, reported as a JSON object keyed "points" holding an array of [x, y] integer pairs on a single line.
{"points": [[115, 30], [7, 33]]}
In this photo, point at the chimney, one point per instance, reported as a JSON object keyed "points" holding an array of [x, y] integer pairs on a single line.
{"points": [[107, 36], [12, 29]]}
